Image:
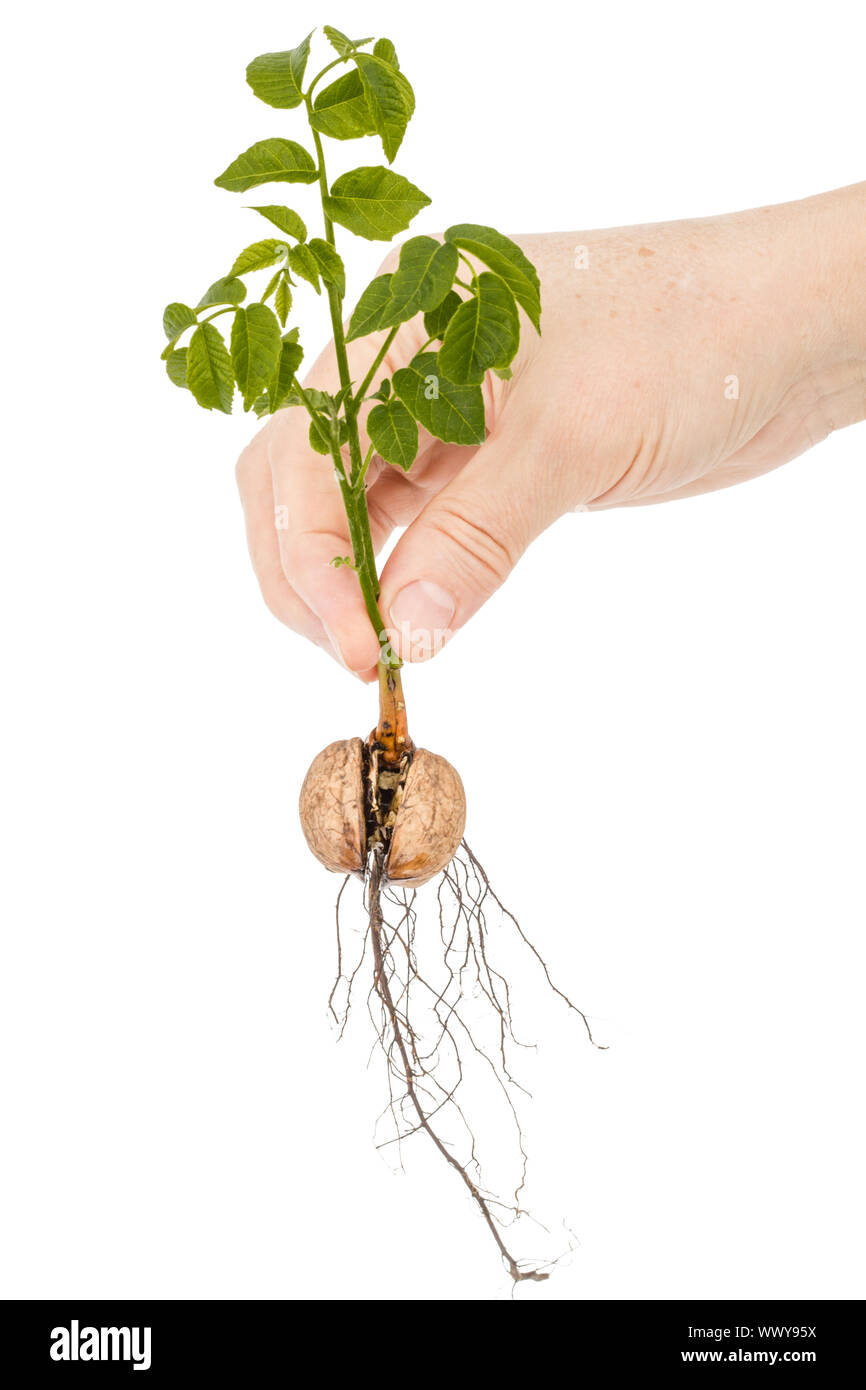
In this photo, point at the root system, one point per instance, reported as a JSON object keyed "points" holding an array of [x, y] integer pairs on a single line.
{"points": [[442, 1014]]}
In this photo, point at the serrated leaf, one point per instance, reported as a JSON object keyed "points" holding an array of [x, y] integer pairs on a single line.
{"points": [[437, 320], [286, 219], [291, 357], [283, 301], [452, 413], [260, 255], [341, 111], [372, 310], [424, 276], [227, 290], [390, 99], [304, 263], [268, 161], [272, 285], [276, 77], [175, 365], [256, 348], [384, 49], [483, 333], [393, 434], [176, 319], [343, 45], [209, 369], [320, 400], [506, 259], [330, 264], [374, 202]]}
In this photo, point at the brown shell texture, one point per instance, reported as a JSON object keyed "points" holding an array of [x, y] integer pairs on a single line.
{"points": [[430, 820], [332, 807]]}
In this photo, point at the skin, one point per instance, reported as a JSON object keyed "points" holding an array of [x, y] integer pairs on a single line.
{"points": [[676, 358]]}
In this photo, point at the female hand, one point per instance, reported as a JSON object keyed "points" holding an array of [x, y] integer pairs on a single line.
{"points": [[674, 359]]}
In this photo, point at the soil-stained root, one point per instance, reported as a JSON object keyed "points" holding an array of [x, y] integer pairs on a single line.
{"points": [[393, 816]]}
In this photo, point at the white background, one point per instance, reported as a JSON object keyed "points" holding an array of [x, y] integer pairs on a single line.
{"points": [[177, 1120]]}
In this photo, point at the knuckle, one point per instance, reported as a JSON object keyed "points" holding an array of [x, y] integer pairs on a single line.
{"points": [[479, 550], [245, 467]]}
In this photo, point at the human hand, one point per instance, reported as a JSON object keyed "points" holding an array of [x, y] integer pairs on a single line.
{"points": [[674, 359]]}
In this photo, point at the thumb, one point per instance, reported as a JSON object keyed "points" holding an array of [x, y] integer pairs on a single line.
{"points": [[465, 543]]}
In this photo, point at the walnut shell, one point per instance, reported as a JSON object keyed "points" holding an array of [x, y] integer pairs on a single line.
{"points": [[332, 807], [430, 820]]}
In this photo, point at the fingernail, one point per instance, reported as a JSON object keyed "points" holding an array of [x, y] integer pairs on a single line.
{"points": [[421, 613]]}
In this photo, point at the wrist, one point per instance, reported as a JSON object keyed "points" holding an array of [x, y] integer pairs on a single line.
{"points": [[816, 301], [831, 232]]}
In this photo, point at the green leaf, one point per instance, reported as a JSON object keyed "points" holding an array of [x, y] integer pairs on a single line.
{"points": [[272, 285], [450, 412], [384, 49], [383, 393], [260, 255], [209, 369], [330, 265], [374, 202], [320, 435], [390, 99], [484, 332], [341, 111], [424, 276], [437, 320], [276, 77], [343, 45], [255, 349], [501, 255], [175, 365], [228, 290], [176, 319], [291, 357], [286, 219], [283, 300], [372, 311], [304, 263], [269, 161], [393, 434]]}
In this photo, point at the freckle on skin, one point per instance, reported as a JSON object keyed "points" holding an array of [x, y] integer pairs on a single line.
{"points": [[613, 313], [645, 251]]}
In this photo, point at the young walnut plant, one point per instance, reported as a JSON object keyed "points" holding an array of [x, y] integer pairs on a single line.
{"points": [[379, 809]]}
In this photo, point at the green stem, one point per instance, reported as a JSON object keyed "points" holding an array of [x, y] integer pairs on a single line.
{"points": [[335, 62], [354, 497], [359, 481], [359, 395]]}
